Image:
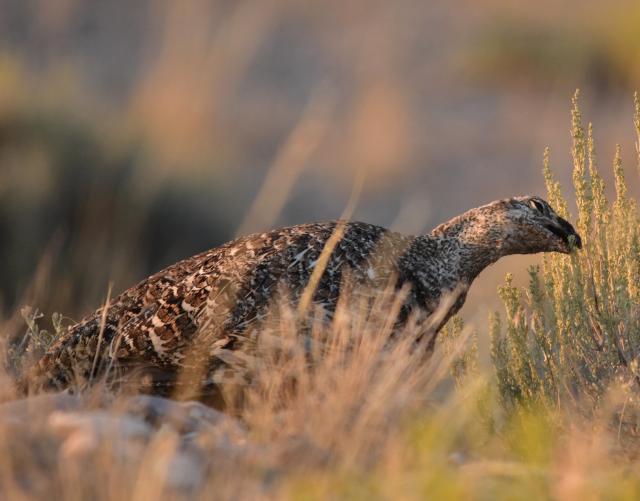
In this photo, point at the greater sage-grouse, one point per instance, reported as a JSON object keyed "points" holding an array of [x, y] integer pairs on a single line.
{"points": [[226, 290]]}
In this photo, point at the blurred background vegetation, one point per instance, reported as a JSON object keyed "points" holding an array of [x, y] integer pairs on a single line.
{"points": [[133, 134]]}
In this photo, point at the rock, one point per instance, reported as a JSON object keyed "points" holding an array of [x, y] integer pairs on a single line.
{"points": [[27, 409], [191, 419], [182, 439], [84, 432]]}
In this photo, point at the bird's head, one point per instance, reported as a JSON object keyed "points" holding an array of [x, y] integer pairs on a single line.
{"points": [[470, 242], [528, 224], [518, 225]]}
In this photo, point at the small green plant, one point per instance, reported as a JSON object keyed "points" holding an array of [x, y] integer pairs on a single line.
{"points": [[464, 361], [34, 335], [35, 340], [575, 330]]}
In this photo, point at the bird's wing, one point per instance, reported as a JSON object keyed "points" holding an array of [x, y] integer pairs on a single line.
{"points": [[211, 295]]}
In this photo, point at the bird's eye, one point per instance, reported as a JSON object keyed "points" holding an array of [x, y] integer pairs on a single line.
{"points": [[535, 204]]}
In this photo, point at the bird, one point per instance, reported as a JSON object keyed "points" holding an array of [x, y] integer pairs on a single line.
{"points": [[206, 303]]}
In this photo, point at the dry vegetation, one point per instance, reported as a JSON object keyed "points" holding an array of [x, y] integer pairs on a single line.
{"points": [[125, 146], [347, 412]]}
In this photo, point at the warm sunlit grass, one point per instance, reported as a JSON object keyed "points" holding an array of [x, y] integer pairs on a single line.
{"points": [[344, 410]]}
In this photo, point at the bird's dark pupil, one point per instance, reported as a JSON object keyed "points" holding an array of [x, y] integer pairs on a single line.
{"points": [[538, 206]]}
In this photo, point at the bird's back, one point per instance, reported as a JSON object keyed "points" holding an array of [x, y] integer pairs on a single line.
{"points": [[209, 299]]}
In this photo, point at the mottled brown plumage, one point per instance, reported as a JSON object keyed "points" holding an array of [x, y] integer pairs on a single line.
{"points": [[201, 307]]}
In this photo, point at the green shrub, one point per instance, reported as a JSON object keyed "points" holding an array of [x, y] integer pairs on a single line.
{"points": [[575, 330]]}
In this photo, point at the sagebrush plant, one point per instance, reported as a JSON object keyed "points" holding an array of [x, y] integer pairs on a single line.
{"points": [[575, 330]]}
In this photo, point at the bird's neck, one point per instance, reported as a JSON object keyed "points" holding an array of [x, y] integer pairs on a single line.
{"points": [[470, 242]]}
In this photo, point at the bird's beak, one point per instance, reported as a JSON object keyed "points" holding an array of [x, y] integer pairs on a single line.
{"points": [[577, 241], [566, 232], [573, 241]]}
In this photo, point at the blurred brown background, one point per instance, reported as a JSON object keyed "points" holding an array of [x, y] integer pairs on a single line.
{"points": [[133, 134]]}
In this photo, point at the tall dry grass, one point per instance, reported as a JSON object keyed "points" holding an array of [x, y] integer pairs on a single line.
{"points": [[320, 399], [364, 418], [346, 412], [345, 409]]}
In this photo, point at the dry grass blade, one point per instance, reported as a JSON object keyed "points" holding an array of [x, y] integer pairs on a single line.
{"points": [[103, 323], [289, 163], [323, 259]]}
